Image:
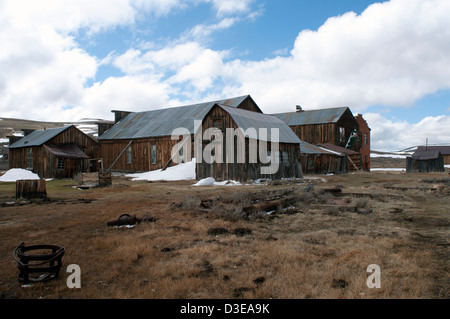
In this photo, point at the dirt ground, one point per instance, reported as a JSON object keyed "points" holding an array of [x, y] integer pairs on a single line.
{"points": [[309, 238]]}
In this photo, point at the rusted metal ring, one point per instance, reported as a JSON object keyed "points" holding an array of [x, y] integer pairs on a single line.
{"points": [[47, 265]]}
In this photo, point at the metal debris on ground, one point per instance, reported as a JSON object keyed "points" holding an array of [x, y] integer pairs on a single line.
{"points": [[128, 220], [38, 267]]}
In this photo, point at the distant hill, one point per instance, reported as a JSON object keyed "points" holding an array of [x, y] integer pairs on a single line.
{"points": [[11, 126]]}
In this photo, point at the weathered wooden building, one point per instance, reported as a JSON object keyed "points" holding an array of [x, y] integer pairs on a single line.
{"points": [[333, 127], [55, 153], [143, 141], [425, 162], [444, 150], [319, 160], [353, 157], [237, 155]]}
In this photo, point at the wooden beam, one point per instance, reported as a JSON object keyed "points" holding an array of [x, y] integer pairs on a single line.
{"points": [[176, 153], [353, 163]]}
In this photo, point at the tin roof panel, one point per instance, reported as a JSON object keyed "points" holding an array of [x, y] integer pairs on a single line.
{"points": [[39, 137], [331, 115], [163, 122], [247, 120]]}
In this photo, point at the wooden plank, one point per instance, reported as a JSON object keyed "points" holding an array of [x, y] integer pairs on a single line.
{"points": [[353, 163]]}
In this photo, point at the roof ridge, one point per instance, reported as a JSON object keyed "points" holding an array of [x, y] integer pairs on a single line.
{"points": [[195, 104]]}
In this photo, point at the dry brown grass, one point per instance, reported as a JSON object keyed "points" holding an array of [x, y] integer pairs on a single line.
{"points": [[318, 248]]}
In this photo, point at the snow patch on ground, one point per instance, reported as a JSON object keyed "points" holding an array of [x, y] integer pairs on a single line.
{"points": [[388, 155], [388, 169], [180, 172], [16, 174], [212, 182]]}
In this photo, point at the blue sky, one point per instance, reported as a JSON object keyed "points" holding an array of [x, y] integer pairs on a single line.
{"points": [[74, 59]]}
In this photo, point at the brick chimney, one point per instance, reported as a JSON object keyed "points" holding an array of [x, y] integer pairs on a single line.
{"points": [[118, 115]]}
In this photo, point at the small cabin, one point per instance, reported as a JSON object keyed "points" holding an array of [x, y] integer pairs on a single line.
{"points": [[425, 162], [55, 153], [443, 149]]}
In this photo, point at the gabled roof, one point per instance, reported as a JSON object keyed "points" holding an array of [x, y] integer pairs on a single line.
{"points": [[245, 120], [162, 122], [39, 137], [331, 115], [445, 150]]}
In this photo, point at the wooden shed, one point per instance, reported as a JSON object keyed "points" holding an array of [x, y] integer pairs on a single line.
{"points": [[319, 160], [55, 153], [425, 162], [444, 150]]}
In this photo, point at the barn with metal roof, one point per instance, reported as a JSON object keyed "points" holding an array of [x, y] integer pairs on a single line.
{"points": [[143, 141]]}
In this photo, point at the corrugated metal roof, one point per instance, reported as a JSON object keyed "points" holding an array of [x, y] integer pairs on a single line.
{"points": [[245, 120], [39, 137], [68, 151], [162, 122], [331, 115]]}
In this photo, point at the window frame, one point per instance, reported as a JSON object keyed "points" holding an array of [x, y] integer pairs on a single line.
{"points": [[61, 164], [129, 155], [29, 158], [342, 134], [154, 154]]}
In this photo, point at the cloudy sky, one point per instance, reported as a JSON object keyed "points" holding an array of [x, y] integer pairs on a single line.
{"points": [[74, 59]]}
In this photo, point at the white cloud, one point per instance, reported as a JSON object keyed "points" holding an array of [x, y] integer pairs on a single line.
{"points": [[201, 32], [201, 72], [44, 73], [226, 7], [387, 135], [70, 15], [133, 93], [393, 53]]}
